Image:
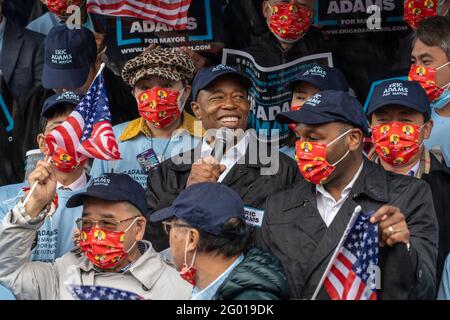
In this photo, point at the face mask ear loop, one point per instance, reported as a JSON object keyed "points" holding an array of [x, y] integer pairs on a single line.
{"points": [[348, 151], [185, 253], [180, 95], [126, 230], [337, 162], [329, 144], [443, 65]]}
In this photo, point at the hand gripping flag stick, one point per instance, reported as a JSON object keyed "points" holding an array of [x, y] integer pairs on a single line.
{"points": [[336, 251], [102, 66]]}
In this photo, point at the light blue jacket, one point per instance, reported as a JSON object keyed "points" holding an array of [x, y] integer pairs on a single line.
{"points": [[129, 149]]}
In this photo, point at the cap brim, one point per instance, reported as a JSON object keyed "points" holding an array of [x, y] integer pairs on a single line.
{"points": [[291, 85], [242, 76], [77, 199], [399, 102], [303, 116], [53, 106], [64, 78], [162, 214]]}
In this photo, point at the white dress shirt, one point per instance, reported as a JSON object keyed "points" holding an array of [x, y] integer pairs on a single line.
{"points": [[74, 186], [231, 156], [327, 206]]}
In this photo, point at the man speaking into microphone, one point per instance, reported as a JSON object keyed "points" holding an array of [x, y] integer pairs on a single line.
{"points": [[229, 153]]}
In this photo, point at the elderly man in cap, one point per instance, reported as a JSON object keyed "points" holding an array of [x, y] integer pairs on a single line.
{"points": [[401, 108], [71, 64], [315, 79], [220, 101], [304, 222], [113, 253], [208, 241], [160, 79]]}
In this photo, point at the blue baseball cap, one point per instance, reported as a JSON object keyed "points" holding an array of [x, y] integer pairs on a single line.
{"points": [[400, 92], [69, 53], [206, 76], [58, 99], [328, 106], [116, 187], [204, 206], [322, 77]]}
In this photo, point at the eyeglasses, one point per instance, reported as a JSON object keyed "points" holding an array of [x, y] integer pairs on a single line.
{"points": [[167, 225], [110, 224]]}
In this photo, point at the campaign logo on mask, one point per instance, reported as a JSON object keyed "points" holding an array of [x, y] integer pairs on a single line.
{"points": [[159, 106], [426, 77], [395, 89], [397, 142], [417, 10], [316, 71], [314, 100], [59, 7]]}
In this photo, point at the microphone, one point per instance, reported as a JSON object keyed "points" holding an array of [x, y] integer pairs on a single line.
{"points": [[224, 137]]}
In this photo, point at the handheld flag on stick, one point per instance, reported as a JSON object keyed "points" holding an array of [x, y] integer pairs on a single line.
{"points": [[87, 132], [352, 273]]}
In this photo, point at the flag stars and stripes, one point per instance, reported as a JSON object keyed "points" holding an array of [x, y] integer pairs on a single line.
{"points": [[355, 263], [82, 292], [87, 132]]}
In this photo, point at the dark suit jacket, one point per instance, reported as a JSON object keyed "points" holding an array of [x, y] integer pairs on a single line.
{"points": [[167, 180], [22, 59], [295, 233]]}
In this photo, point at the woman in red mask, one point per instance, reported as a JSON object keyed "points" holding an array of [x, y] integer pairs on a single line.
{"points": [[160, 79]]}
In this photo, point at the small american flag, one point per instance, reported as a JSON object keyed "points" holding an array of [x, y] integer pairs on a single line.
{"points": [[170, 12], [353, 273], [101, 293], [87, 132]]}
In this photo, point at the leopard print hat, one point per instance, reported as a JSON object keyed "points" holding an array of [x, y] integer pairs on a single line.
{"points": [[168, 63]]}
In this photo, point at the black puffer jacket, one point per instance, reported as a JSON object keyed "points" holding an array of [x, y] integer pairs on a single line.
{"points": [[258, 277]]}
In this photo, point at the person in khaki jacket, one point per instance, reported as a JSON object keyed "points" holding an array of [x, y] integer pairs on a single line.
{"points": [[111, 251]]}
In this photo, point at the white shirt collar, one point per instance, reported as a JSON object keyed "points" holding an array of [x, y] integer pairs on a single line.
{"points": [[240, 147], [415, 168], [76, 185], [320, 188]]}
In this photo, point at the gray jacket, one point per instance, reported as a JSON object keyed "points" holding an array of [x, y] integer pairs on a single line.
{"points": [[149, 276]]}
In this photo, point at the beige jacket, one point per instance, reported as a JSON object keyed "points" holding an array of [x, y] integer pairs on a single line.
{"points": [[149, 276]]}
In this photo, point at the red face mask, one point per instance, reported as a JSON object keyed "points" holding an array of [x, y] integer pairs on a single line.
{"points": [[414, 11], [160, 107], [64, 161], [426, 77], [59, 7], [396, 142], [312, 160], [289, 22], [187, 273], [104, 248], [292, 126]]}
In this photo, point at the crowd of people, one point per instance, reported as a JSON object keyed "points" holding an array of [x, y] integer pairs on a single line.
{"points": [[198, 206]]}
